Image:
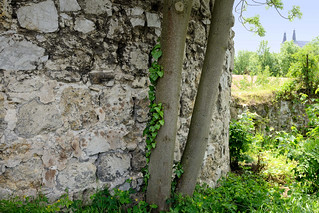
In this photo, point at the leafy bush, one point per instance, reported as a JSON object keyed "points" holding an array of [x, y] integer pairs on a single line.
{"points": [[246, 193], [38, 204], [102, 201], [240, 138]]}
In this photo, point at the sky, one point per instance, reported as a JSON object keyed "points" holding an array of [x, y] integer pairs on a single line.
{"points": [[307, 28]]}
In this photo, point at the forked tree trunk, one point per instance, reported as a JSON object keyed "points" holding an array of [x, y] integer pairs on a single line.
{"points": [[176, 15], [221, 23]]}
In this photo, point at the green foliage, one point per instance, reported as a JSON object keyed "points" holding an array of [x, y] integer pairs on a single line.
{"points": [[246, 193], [102, 201], [305, 68], [156, 109], [254, 63], [38, 204], [267, 59], [308, 153], [287, 50], [240, 138], [254, 22], [242, 61]]}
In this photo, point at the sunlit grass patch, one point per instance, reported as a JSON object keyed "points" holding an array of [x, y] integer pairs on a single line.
{"points": [[256, 89]]}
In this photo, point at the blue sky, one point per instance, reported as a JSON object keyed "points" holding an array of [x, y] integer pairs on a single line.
{"points": [[306, 28]]}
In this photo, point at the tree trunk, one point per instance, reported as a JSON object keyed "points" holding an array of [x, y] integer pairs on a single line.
{"points": [[221, 23], [174, 28]]}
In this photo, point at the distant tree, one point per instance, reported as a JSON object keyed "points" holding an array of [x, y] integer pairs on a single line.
{"points": [[241, 63], [254, 64], [287, 50], [266, 58], [305, 67]]}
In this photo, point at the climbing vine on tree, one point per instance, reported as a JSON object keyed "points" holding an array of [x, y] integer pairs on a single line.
{"points": [[156, 109]]}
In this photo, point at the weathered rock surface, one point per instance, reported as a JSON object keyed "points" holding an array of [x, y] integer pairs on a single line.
{"points": [[77, 176], [111, 166], [69, 5], [279, 116], [41, 17], [153, 20], [77, 108], [19, 54], [33, 118], [98, 7], [84, 25]]}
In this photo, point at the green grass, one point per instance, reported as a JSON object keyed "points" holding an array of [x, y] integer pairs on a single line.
{"points": [[236, 193], [256, 89]]}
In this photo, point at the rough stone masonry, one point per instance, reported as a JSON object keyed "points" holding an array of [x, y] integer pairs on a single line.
{"points": [[73, 94]]}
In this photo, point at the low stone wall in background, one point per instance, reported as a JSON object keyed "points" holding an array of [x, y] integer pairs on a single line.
{"points": [[73, 94], [276, 116]]}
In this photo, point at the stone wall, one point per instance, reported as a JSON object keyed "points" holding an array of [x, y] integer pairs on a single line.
{"points": [[73, 94], [277, 116]]}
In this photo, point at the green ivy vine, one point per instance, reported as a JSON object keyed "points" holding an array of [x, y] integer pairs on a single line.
{"points": [[156, 109]]}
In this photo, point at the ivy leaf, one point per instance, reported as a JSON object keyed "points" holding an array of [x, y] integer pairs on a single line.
{"points": [[148, 141], [153, 145], [152, 129], [152, 88], [147, 154], [153, 77], [157, 54], [145, 132], [161, 122], [160, 73], [161, 113], [157, 126], [157, 109], [151, 95], [156, 116], [149, 147], [154, 134]]}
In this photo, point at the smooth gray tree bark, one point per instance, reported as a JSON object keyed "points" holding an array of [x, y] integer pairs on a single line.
{"points": [[221, 22], [174, 29]]}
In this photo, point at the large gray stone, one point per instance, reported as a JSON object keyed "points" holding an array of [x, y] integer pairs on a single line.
{"points": [[84, 25], [137, 22], [117, 104], [98, 7], [111, 166], [33, 118], [25, 175], [138, 59], [69, 5], [153, 20], [77, 176], [105, 140], [19, 55], [77, 108], [41, 17], [136, 11]]}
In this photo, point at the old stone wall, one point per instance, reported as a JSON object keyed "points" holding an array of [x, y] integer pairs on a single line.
{"points": [[73, 94], [276, 116]]}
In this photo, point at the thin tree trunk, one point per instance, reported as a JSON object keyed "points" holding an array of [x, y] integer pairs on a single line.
{"points": [[174, 28], [221, 23]]}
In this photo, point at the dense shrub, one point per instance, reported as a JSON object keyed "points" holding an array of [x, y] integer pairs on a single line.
{"points": [[240, 138]]}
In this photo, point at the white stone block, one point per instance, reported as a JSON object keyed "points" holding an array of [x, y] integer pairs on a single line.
{"points": [[98, 7], [84, 25], [41, 17], [153, 20], [69, 5], [19, 55]]}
